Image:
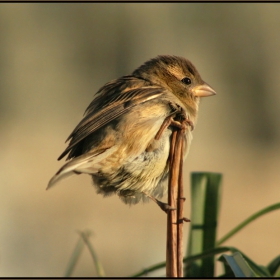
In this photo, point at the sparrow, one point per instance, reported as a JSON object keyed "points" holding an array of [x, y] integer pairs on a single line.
{"points": [[118, 143]]}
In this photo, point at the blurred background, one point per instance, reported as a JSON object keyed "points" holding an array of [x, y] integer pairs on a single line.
{"points": [[54, 57]]}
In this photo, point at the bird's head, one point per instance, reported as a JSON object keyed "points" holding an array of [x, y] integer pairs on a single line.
{"points": [[179, 76]]}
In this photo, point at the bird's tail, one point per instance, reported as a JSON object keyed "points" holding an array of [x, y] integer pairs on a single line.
{"points": [[87, 163]]}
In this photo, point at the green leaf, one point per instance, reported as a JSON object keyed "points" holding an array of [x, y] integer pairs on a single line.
{"points": [[274, 266], [259, 270], [247, 221], [205, 204], [187, 260], [238, 265], [98, 265], [74, 257]]}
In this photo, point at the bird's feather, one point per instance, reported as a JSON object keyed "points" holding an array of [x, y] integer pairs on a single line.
{"points": [[112, 100], [86, 163]]}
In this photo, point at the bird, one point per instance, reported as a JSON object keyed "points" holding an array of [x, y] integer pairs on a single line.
{"points": [[120, 142]]}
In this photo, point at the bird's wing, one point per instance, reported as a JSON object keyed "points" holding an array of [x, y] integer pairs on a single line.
{"points": [[86, 163], [111, 101]]}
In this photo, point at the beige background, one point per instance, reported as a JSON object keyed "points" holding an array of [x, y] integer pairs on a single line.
{"points": [[54, 57]]}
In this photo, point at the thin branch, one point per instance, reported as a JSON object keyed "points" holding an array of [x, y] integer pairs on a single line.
{"points": [[175, 218], [180, 201], [171, 246]]}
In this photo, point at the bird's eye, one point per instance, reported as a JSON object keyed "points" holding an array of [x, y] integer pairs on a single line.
{"points": [[186, 81]]}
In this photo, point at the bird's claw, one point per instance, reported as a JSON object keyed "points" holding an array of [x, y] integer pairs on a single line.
{"points": [[179, 124], [165, 207]]}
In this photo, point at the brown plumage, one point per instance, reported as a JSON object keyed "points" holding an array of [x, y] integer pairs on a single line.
{"points": [[115, 141]]}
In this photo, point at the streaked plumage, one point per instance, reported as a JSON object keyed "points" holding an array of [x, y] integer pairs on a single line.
{"points": [[114, 142]]}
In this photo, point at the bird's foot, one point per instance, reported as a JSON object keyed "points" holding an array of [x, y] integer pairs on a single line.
{"points": [[169, 121], [163, 206]]}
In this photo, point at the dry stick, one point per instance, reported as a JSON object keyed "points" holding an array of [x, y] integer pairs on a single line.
{"points": [[174, 267], [171, 244], [180, 201]]}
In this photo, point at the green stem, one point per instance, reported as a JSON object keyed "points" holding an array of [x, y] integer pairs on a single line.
{"points": [[74, 258], [185, 260], [98, 265], [247, 221]]}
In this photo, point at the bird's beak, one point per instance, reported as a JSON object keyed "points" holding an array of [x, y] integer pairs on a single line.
{"points": [[203, 91]]}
